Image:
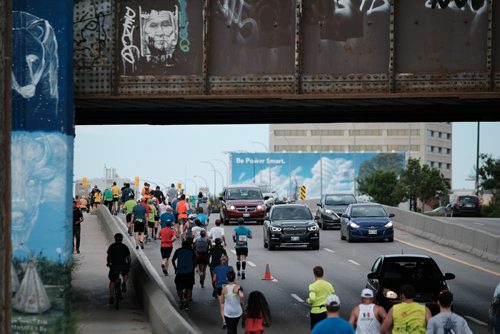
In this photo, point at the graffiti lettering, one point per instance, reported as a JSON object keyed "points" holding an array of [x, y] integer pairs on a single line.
{"points": [[91, 34], [376, 6], [474, 5], [233, 11], [129, 49], [183, 23]]}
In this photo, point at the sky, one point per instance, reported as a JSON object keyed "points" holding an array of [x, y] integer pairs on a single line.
{"points": [[172, 154]]}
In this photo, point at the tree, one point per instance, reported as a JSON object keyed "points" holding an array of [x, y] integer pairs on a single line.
{"points": [[432, 185], [387, 161], [382, 185], [489, 176], [422, 182], [410, 181]]}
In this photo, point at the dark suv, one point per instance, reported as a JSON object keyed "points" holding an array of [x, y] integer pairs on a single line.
{"points": [[464, 205], [290, 225], [331, 207], [242, 201]]}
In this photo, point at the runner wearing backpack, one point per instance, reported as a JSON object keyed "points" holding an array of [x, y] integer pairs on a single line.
{"points": [[201, 248]]}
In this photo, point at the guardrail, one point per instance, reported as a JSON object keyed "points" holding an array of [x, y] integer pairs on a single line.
{"points": [[467, 239], [152, 292]]}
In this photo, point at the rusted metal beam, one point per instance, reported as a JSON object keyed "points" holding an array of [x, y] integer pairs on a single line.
{"points": [[489, 47], [5, 201], [298, 47], [392, 48], [206, 19]]}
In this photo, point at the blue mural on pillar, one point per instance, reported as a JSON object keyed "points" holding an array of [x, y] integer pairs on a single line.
{"points": [[41, 164]]}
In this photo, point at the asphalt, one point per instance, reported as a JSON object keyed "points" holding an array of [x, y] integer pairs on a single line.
{"points": [[89, 302]]}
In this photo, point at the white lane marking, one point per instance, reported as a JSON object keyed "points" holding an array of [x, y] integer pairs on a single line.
{"points": [[233, 251], [480, 224], [479, 322], [329, 250], [297, 298], [275, 280], [354, 262], [251, 264]]}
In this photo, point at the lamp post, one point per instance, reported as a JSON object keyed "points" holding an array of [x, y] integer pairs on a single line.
{"points": [[204, 180], [227, 169], [289, 168], [215, 176], [320, 161], [195, 184], [477, 159], [268, 152]]}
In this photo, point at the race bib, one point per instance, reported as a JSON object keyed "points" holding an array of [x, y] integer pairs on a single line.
{"points": [[139, 220], [242, 238]]}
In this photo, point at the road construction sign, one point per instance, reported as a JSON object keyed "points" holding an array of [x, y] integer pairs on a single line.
{"points": [[302, 193]]}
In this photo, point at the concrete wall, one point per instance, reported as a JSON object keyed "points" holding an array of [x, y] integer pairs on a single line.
{"points": [[155, 297], [446, 233]]}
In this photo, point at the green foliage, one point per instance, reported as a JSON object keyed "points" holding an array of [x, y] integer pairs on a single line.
{"points": [[432, 184], [382, 185], [410, 182], [489, 176], [389, 162], [491, 210], [50, 272]]}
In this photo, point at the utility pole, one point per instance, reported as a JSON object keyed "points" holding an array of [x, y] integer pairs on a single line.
{"points": [[477, 158], [5, 201]]}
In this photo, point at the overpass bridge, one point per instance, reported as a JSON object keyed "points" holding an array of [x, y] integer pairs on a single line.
{"points": [[278, 60]]}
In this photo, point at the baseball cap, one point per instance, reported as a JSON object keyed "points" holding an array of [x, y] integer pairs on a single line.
{"points": [[367, 293], [191, 216], [332, 300]]}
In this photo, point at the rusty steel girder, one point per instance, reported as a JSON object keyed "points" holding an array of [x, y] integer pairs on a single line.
{"points": [[176, 48]]}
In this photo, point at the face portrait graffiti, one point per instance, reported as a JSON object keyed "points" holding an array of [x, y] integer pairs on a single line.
{"points": [[159, 35]]}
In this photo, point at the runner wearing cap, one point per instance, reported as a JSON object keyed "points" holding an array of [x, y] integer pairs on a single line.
{"points": [[333, 323], [217, 232], [167, 215], [167, 237], [241, 234], [129, 207], [367, 317], [318, 291]]}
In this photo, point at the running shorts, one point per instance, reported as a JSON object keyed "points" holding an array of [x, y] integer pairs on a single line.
{"points": [[129, 217], [166, 252], [242, 251], [151, 224], [114, 271], [139, 226], [202, 258], [184, 281]]}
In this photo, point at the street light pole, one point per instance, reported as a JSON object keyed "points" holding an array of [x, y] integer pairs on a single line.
{"points": [[215, 176], [268, 152], [204, 180], [320, 160], [195, 185], [477, 158], [227, 169]]}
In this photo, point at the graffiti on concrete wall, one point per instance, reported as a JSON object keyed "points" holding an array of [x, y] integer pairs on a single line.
{"points": [[92, 33], [41, 165], [151, 37], [34, 71], [474, 5]]}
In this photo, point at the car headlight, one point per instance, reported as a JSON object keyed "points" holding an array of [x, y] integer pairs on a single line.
{"points": [[389, 224], [312, 228], [260, 207], [275, 229], [389, 294], [329, 211], [231, 207], [353, 225]]}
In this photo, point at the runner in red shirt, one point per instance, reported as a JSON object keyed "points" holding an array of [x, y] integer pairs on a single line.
{"points": [[167, 236]]}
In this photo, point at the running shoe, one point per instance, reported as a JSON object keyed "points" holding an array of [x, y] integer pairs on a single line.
{"points": [[136, 247], [183, 303], [243, 275], [186, 307], [239, 274], [142, 245], [164, 269]]}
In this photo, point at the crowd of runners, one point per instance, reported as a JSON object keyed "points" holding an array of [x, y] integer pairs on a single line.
{"points": [[172, 217]]}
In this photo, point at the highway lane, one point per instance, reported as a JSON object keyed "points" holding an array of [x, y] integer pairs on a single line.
{"points": [[489, 225], [346, 266]]}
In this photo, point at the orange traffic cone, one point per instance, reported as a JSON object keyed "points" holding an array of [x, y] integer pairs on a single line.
{"points": [[267, 274]]}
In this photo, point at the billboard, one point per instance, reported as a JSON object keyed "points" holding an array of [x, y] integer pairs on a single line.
{"points": [[318, 172]]}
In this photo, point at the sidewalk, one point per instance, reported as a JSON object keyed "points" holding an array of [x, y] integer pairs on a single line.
{"points": [[90, 289]]}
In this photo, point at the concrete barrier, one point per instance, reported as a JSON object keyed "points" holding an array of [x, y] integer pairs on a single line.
{"points": [[467, 239], [155, 297]]}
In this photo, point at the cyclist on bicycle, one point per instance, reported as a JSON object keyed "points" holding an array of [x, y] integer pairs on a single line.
{"points": [[118, 261]]}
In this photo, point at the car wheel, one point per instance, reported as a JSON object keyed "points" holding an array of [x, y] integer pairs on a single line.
{"points": [[391, 239], [272, 246], [265, 243], [341, 235], [349, 237], [315, 245], [323, 225]]}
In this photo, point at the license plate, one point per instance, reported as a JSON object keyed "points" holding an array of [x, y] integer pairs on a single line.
{"points": [[246, 215], [372, 231], [295, 238]]}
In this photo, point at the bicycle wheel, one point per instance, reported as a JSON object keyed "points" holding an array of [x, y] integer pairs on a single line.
{"points": [[118, 293]]}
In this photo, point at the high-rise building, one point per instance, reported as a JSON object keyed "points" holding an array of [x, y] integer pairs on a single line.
{"points": [[431, 142]]}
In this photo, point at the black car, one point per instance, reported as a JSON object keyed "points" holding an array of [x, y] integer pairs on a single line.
{"points": [[464, 205], [366, 221], [290, 225], [390, 272], [494, 312], [331, 207]]}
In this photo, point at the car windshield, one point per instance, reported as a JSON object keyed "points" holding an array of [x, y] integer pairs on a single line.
{"points": [[464, 200], [291, 213], [339, 200], [243, 194], [368, 211], [411, 269]]}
